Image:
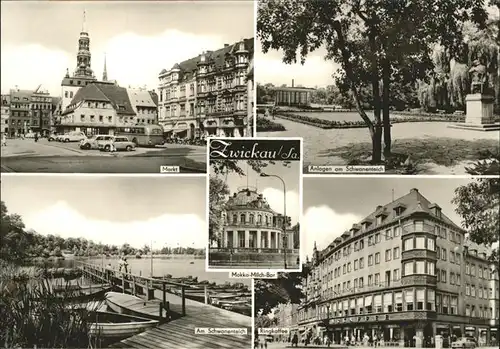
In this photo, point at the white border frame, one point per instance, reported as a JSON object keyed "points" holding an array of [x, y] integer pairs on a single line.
{"points": [[301, 213]]}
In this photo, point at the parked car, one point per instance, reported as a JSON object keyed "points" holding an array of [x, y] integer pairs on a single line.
{"points": [[52, 137], [120, 143], [464, 342], [94, 141], [29, 135], [74, 136]]}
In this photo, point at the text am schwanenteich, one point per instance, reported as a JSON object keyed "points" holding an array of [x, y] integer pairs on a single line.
{"points": [[221, 149]]}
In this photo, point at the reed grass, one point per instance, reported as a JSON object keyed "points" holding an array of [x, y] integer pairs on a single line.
{"points": [[32, 315]]}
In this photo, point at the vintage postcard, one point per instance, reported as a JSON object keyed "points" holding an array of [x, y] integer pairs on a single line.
{"points": [[255, 194]]}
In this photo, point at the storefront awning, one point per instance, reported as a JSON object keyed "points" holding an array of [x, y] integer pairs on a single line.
{"points": [[493, 329], [470, 328]]}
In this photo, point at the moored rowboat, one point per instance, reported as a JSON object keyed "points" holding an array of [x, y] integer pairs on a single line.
{"points": [[106, 325]]}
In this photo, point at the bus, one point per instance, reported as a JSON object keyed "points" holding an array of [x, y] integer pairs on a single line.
{"points": [[142, 135]]}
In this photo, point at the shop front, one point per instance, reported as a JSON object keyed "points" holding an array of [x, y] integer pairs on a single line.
{"points": [[494, 337]]}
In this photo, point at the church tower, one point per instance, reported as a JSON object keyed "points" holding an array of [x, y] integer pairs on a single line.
{"points": [[83, 57], [105, 71]]}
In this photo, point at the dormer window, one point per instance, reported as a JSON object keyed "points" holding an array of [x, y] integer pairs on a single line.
{"points": [[379, 220], [365, 225], [436, 210], [399, 209]]}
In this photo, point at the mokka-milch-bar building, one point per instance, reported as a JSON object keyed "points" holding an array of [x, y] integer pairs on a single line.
{"points": [[403, 275], [253, 235]]}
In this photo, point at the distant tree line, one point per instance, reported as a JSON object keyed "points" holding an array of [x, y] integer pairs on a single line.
{"points": [[19, 244]]}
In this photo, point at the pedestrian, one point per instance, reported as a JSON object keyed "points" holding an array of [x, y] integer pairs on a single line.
{"points": [[112, 148], [295, 339], [4, 140], [36, 136]]}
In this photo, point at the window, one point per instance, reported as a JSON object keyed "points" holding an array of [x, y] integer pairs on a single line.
{"points": [[467, 269], [377, 238], [361, 263], [387, 302], [443, 275], [377, 302], [377, 258], [408, 245], [420, 299], [377, 279], [452, 257], [452, 278], [355, 284], [480, 292], [370, 240], [409, 300], [430, 268], [343, 269], [419, 226], [359, 303], [408, 268], [457, 280], [395, 253], [430, 300], [397, 231], [349, 267], [467, 289], [368, 304], [446, 300], [388, 255], [467, 310], [420, 267], [355, 264], [473, 269], [480, 272], [388, 234], [443, 254], [370, 280], [438, 303], [360, 282], [361, 245], [431, 245], [420, 242], [370, 260], [395, 274], [355, 246], [473, 291], [398, 301]]}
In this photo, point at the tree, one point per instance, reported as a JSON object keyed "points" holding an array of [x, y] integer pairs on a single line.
{"points": [[263, 321], [373, 42], [478, 204], [268, 293], [218, 190]]}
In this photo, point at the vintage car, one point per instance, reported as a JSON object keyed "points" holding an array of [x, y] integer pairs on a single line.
{"points": [[73, 136], [94, 141], [119, 143], [464, 342]]}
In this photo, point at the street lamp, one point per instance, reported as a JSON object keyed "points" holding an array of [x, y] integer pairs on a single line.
{"points": [[284, 211]]}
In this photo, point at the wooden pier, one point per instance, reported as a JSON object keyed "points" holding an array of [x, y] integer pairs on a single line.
{"points": [[179, 316]]}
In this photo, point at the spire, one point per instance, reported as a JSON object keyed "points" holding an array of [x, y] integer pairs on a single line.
{"points": [[105, 71], [84, 23]]}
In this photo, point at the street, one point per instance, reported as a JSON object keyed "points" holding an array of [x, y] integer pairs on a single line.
{"points": [[55, 157]]}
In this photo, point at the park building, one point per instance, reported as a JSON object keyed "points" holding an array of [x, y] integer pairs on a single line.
{"points": [[293, 96], [208, 95], [404, 274], [253, 231]]}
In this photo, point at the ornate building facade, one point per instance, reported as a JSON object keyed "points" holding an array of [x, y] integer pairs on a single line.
{"points": [[41, 112], [404, 274], [207, 95], [293, 96], [5, 108]]}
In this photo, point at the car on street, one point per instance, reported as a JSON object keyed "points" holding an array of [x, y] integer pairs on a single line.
{"points": [[52, 137], [119, 143], [464, 342], [94, 141], [73, 136], [29, 135]]}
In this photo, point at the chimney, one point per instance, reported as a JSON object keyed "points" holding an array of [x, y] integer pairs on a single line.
{"points": [[378, 207], [293, 82], [414, 190]]}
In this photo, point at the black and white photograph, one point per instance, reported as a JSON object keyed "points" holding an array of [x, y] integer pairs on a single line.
{"points": [[111, 261], [412, 264], [123, 86], [396, 87], [254, 200]]}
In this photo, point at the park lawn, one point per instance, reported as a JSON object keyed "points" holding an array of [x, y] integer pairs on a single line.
{"points": [[440, 151]]}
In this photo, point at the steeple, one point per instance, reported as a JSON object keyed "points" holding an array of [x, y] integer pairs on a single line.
{"points": [[105, 71], [83, 57]]}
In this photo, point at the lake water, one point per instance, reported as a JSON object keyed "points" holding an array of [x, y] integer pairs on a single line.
{"points": [[177, 267]]}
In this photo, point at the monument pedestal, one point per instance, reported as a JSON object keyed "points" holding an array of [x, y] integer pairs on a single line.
{"points": [[479, 114]]}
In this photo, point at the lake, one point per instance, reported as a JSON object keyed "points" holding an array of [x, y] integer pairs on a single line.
{"points": [[177, 267]]}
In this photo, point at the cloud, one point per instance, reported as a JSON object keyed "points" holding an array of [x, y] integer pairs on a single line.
{"points": [[315, 72], [172, 230], [131, 59], [275, 198], [322, 225]]}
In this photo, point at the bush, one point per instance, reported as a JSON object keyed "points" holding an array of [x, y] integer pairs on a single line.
{"points": [[33, 315], [266, 125]]}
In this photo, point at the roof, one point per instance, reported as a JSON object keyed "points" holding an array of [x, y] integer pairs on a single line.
{"points": [[188, 67], [295, 88], [105, 92], [21, 94], [141, 98], [248, 198]]}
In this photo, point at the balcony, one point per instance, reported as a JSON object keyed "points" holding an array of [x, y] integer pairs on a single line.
{"points": [[420, 228], [419, 254], [419, 280], [365, 289], [254, 249], [380, 317], [254, 225]]}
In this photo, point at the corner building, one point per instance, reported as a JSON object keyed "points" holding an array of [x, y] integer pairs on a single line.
{"points": [[208, 95], [404, 274]]}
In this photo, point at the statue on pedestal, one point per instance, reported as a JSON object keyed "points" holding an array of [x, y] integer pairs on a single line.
{"points": [[479, 77]]}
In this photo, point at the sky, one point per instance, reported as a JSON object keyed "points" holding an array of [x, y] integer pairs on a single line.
{"points": [[333, 205], [272, 188], [139, 38], [171, 211]]}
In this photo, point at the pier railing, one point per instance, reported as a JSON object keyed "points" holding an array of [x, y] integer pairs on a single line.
{"points": [[139, 285]]}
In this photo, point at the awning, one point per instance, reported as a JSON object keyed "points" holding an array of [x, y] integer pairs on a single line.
{"points": [[470, 328], [456, 327], [493, 329]]}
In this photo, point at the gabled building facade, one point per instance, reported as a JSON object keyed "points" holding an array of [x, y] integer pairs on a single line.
{"points": [[403, 275], [207, 95], [145, 105]]}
